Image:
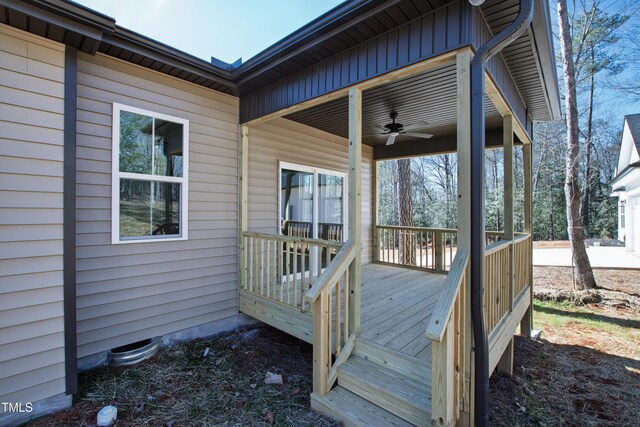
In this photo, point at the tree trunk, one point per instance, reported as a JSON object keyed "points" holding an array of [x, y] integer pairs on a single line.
{"points": [[587, 171], [583, 275], [407, 241]]}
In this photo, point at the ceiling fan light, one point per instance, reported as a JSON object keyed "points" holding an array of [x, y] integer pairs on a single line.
{"points": [[476, 2]]}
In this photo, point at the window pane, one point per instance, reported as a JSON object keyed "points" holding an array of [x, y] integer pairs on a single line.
{"points": [[296, 196], [330, 207], [135, 142], [149, 208], [167, 150], [137, 152]]}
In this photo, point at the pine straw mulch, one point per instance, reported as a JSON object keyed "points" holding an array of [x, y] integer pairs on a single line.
{"points": [[181, 387], [585, 369]]}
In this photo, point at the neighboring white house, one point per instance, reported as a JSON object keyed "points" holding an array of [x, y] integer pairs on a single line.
{"points": [[626, 184]]}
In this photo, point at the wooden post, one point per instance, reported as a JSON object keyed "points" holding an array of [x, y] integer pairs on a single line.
{"points": [[374, 212], [321, 344], [526, 326], [243, 176], [463, 117], [437, 245], [443, 383], [505, 365], [355, 204]]}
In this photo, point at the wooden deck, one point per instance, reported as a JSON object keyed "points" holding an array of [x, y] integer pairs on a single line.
{"points": [[396, 306]]}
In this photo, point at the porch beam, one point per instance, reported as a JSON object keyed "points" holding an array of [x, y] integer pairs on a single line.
{"points": [[436, 145], [355, 204], [419, 67]]}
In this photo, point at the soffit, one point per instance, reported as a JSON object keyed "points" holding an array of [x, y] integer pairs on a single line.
{"points": [[429, 96]]}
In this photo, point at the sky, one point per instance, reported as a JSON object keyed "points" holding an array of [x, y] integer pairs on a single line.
{"points": [[226, 29]]}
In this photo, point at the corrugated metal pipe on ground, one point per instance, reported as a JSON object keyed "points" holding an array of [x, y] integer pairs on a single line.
{"points": [[486, 51]]}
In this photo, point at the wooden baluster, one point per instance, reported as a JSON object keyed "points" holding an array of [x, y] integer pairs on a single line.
{"points": [[274, 272], [279, 274], [267, 271], [303, 280], [346, 305], [420, 248], [330, 317], [249, 261], [287, 266], [256, 265], [338, 308], [294, 254]]}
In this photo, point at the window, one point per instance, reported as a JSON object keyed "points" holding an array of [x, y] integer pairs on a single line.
{"points": [[622, 213], [312, 202], [150, 162]]}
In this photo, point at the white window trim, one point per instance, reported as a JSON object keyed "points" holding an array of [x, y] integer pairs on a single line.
{"points": [[116, 175], [315, 171]]}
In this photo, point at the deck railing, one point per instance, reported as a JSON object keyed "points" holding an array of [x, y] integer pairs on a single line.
{"points": [[430, 249], [501, 290], [329, 298], [446, 332], [506, 287], [283, 268]]}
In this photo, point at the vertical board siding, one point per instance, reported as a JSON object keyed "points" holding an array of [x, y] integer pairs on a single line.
{"points": [[283, 140], [497, 69], [31, 202], [422, 38], [130, 292]]}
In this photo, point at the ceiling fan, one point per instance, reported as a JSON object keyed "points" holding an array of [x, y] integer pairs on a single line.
{"points": [[393, 130]]}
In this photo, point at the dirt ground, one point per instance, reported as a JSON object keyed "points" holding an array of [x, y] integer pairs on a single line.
{"points": [[553, 244], [585, 369], [559, 278], [182, 387]]}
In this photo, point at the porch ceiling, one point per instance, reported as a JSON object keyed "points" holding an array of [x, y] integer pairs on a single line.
{"points": [[428, 96]]}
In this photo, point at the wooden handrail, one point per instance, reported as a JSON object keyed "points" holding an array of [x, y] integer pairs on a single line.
{"points": [[444, 307], [497, 247], [521, 236], [334, 270], [293, 239]]}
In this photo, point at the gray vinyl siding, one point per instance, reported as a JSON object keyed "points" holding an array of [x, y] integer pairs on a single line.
{"points": [[31, 202], [130, 292], [288, 141]]}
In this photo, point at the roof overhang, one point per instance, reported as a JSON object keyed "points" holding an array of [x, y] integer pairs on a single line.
{"points": [[625, 173], [542, 35]]}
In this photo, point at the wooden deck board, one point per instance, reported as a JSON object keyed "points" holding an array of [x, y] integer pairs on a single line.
{"points": [[396, 307], [400, 322]]}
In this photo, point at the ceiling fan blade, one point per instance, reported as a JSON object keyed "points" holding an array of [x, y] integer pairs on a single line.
{"points": [[374, 134], [418, 135], [417, 125], [391, 140]]}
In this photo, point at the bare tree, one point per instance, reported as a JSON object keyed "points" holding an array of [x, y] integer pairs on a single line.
{"points": [[583, 274], [407, 242]]}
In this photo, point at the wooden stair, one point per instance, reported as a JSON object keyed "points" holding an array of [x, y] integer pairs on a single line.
{"points": [[377, 386]]}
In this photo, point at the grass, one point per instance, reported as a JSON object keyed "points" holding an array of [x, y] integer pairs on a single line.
{"points": [[556, 315]]}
